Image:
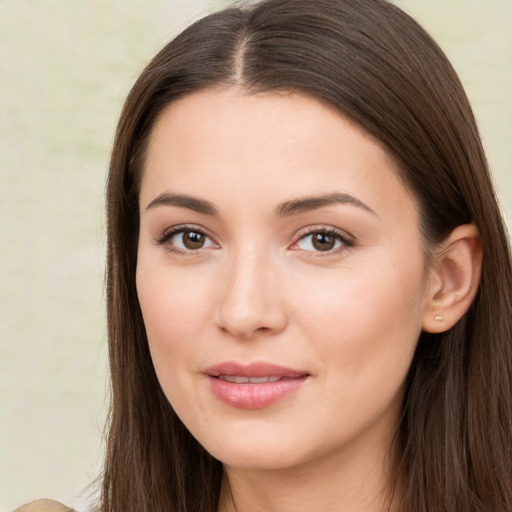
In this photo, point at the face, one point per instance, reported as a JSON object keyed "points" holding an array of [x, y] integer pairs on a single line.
{"points": [[281, 277]]}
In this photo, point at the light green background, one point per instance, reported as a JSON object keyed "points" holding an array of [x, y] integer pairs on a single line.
{"points": [[65, 68]]}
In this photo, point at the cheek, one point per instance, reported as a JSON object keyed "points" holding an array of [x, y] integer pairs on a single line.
{"points": [[174, 306], [366, 318], [364, 329]]}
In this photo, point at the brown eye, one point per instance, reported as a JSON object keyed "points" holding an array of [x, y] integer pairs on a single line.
{"points": [[323, 241], [183, 240], [193, 240]]}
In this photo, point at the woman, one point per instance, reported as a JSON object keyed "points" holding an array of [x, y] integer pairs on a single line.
{"points": [[309, 281]]}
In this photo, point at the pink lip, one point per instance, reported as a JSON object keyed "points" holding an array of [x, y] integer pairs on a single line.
{"points": [[253, 395]]}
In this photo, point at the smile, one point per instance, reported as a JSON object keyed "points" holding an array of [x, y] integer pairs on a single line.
{"points": [[253, 386], [248, 380]]}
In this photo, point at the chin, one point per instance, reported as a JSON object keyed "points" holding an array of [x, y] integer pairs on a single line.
{"points": [[254, 453], [266, 459]]}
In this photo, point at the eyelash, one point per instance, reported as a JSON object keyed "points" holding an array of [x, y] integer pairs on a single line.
{"points": [[346, 240], [167, 236]]}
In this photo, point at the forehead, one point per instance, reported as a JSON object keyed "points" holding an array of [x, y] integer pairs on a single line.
{"points": [[275, 144], [236, 114]]}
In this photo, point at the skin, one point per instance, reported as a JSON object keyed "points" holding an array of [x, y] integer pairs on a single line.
{"points": [[259, 290]]}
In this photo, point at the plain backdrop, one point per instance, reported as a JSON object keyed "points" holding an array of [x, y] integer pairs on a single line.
{"points": [[65, 68]]}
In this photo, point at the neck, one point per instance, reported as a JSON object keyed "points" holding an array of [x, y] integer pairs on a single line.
{"points": [[337, 482]]}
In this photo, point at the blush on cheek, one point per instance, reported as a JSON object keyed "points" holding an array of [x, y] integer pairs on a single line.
{"points": [[164, 299]]}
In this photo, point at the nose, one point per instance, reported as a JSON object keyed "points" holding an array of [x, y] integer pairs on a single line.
{"points": [[251, 302]]}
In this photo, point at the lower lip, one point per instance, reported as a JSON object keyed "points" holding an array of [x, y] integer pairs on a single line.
{"points": [[254, 396]]}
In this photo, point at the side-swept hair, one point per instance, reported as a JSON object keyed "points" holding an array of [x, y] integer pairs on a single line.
{"points": [[378, 67]]}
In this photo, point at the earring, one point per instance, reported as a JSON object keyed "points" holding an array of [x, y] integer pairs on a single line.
{"points": [[438, 318]]}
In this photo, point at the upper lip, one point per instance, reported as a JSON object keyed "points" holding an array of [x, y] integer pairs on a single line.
{"points": [[254, 369]]}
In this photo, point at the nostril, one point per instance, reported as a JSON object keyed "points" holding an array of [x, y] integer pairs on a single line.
{"points": [[248, 308]]}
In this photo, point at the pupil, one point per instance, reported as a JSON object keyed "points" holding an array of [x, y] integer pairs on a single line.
{"points": [[323, 241], [193, 240]]}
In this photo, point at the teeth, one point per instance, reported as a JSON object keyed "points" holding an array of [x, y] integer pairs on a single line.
{"points": [[235, 379], [258, 380]]}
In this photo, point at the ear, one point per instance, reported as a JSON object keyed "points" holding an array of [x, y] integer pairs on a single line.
{"points": [[454, 279]]}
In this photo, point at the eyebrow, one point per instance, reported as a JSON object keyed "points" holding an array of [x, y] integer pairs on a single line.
{"points": [[307, 204], [184, 201], [286, 209]]}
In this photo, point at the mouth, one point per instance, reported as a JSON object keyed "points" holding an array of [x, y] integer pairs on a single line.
{"points": [[235, 379], [251, 372], [255, 385]]}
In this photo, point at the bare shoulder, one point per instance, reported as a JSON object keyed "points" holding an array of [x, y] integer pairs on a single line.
{"points": [[44, 506]]}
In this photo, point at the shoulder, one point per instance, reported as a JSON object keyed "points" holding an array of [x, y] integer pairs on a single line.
{"points": [[44, 506]]}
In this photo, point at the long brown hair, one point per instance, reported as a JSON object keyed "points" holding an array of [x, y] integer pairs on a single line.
{"points": [[374, 63]]}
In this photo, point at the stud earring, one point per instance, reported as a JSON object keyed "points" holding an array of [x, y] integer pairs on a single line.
{"points": [[438, 318]]}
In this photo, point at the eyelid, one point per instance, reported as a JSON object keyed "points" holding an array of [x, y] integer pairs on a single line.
{"points": [[180, 228], [346, 238]]}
